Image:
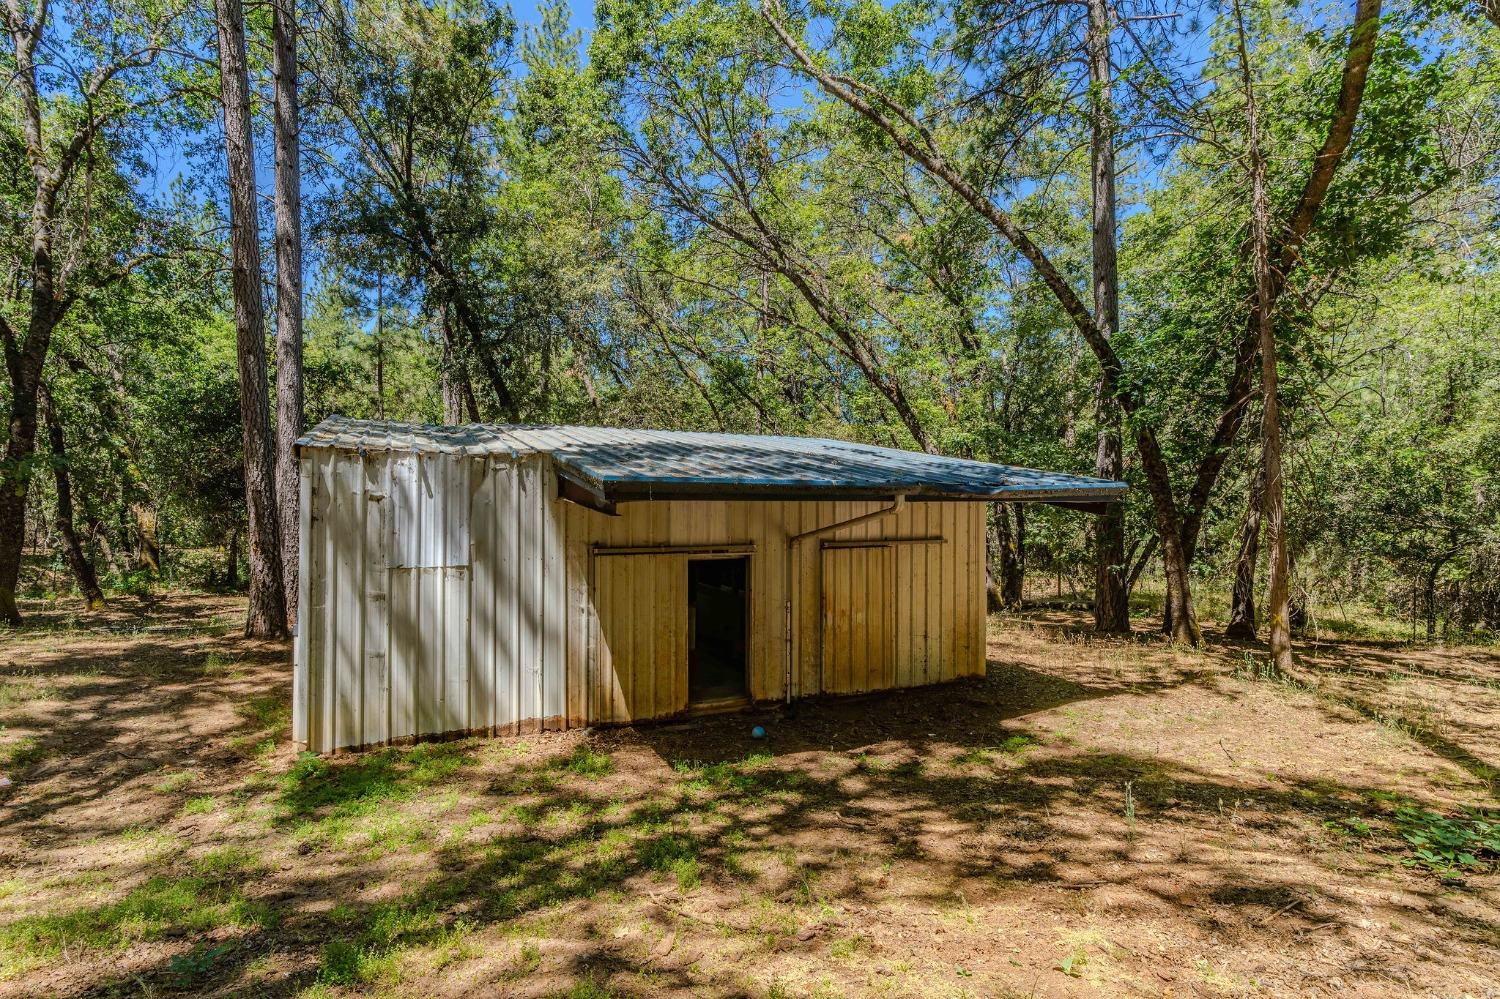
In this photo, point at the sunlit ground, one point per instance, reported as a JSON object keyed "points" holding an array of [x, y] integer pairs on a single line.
{"points": [[1105, 817]]}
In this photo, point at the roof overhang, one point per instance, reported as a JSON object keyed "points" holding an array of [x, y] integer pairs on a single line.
{"points": [[578, 486], [600, 467]]}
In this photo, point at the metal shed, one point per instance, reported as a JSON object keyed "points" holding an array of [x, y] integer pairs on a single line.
{"points": [[488, 579]]}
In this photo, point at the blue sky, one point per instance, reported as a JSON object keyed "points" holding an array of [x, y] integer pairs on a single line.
{"points": [[581, 15]]}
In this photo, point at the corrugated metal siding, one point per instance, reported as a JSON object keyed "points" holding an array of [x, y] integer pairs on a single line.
{"points": [[632, 464], [859, 619], [492, 612], [519, 616], [642, 651], [430, 609], [933, 600]]}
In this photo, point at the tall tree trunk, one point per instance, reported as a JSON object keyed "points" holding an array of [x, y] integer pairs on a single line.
{"points": [[380, 346], [1010, 535], [133, 488], [1111, 609], [453, 400], [1429, 596], [995, 542], [26, 351], [1013, 579], [78, 560], [266, 617], [101, 538], [1278, 585], [289, 401], [1008, 541], [1242, 600], [15, 482], [147, 544], [232, 560]]}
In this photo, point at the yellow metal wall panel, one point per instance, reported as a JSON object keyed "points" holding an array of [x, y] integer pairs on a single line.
{"points": [[858, 619], [642, 655]]}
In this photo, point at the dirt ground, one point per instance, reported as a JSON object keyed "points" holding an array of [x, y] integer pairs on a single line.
{"points": [[1093, 817]]}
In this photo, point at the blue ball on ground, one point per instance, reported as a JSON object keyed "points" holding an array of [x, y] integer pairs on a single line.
{"points": [[758, 732]]}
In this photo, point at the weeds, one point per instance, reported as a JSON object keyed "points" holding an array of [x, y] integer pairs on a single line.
{"points": [[178, 781], [585, 761], [271, 711], [1444, 845], [22, 753]]}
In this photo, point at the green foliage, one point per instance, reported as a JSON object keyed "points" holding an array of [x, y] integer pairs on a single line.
{"points": [[1442, 844], [668, 225]]}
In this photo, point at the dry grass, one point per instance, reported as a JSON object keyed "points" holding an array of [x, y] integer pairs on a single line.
{"points": [[1110, 817]]}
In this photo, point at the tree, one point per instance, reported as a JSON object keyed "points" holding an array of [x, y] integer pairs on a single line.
{"points": [[1177, 524], [1111, 594], [1272, 504], [78, 561], [266, 617], [410, 135], [288, 290], [63, 101]]}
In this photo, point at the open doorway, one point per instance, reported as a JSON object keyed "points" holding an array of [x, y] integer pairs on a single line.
{"points": [[718, 628]]}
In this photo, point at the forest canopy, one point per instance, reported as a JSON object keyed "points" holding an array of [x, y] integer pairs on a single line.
{"points": [[1050, 234]]}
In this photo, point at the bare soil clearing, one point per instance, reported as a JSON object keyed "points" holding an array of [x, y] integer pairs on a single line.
{"points": [[1094, 817]]}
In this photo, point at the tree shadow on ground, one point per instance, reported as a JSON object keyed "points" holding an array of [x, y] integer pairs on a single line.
{"points": [[945, 786]]}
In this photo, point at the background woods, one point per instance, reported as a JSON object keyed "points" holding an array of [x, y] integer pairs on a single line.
{"points": [[1241, 255]]}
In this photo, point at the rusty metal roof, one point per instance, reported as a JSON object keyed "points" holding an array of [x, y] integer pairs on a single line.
{"points": [[618, 465]]}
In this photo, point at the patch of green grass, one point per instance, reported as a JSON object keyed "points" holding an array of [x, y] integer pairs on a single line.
{"points": [[22, 687], [382, 934], [163, 906], [1349, 827], [1014, 745], [198, 962], [748, 777], [1017, 744], [22, 753], [201, 805], [178, 781], [527, 961], [226, 862], [675, 854], [844, 948], [524, 814], [315, 787], [585, 761], [586, 988], [268, 711], [218, 664]]}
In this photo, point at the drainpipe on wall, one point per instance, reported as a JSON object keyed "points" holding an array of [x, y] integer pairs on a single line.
{"points": [[898, 503]]}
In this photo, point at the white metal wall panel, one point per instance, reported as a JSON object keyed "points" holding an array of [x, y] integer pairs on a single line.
{"points": [[429, 511], [375, 606]]}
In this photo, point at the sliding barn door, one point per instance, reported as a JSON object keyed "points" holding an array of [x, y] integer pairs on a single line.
{"points": [[643, 636], [859, 619]]}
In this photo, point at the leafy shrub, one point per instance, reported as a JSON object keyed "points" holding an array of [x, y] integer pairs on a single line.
{"points": [[1470, 842]]}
